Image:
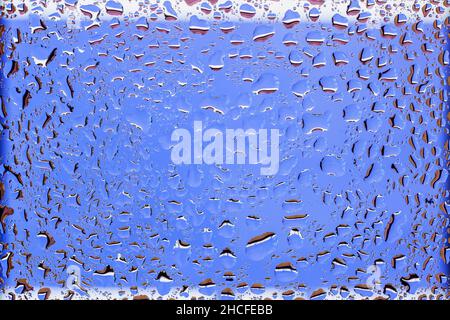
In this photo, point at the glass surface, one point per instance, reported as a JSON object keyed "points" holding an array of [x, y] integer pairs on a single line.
{"points": [[120, 179]]}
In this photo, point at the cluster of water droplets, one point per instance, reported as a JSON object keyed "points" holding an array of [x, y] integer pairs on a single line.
{"points": [[91, 94]]}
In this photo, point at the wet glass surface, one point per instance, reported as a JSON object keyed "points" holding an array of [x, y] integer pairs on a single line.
{"points": [[94, 206]]}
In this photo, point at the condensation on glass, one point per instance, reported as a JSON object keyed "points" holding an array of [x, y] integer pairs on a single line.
{"points": [[93, 206]]}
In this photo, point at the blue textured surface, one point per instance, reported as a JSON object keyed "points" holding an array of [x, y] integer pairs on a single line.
{"points": [[88, 116]]}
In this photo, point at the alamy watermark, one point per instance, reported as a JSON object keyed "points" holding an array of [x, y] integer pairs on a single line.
{"points": [[374, 280], [74, 277], [231, 146]]}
